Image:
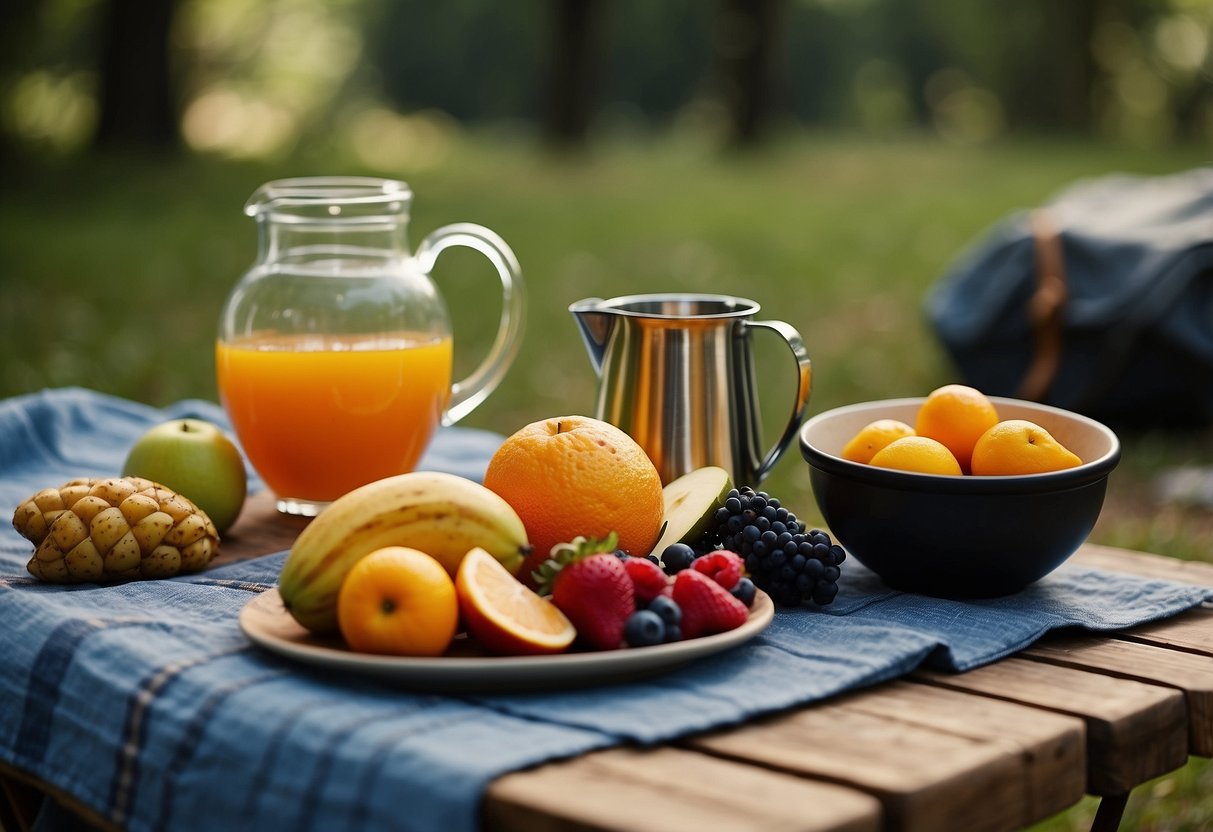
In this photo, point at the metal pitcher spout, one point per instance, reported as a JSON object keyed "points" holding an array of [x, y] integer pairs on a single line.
{"points": [[596, 323]]}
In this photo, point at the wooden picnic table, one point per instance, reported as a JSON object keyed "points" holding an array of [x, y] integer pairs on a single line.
{"points": [[999, 747]]}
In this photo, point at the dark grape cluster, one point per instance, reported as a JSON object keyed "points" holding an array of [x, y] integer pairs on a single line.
{"points": [[788, 562]]}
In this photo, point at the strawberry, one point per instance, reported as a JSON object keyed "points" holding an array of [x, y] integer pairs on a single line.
{"points": [[707, 607], [648, 579], [592, 588], [723, 567]]}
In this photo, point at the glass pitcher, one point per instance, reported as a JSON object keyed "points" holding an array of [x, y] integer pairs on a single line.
{"points": [[335, 349]]}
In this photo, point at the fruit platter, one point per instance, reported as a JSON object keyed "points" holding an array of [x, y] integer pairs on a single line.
{"points": [[467, 668]]}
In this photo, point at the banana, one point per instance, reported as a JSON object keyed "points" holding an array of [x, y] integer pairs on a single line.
{"points": [[443, 515]]}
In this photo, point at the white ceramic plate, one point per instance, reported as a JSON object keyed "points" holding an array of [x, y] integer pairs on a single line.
{"points": [[267, 623]]}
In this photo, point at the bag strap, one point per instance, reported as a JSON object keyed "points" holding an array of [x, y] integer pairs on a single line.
{"points": [[1045, 308]]}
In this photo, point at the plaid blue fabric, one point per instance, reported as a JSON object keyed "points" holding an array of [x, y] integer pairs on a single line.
{"points": [[145, 702]]}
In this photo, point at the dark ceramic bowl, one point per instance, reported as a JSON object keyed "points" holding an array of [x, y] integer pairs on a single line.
{"points": [[958, 537]]}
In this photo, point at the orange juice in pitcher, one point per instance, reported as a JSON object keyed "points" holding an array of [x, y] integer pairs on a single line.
{"points": [[329, 394], [334, 351]]}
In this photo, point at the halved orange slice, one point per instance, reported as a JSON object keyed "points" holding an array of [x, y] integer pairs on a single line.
{"points": [[506, 617]]}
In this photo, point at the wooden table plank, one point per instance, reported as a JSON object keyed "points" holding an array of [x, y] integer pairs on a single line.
{"points": [[937, 759], [1189, 673], [259, 530], [1052, 748], [1146, 565], [1135, 731], [1191, 632], [670, 790]]}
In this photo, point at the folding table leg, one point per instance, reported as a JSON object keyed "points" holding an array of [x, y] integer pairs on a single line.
{"points": [[1111, 810]]}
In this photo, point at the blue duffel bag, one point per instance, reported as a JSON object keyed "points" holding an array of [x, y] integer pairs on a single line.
{"points": [[1101, 301]]}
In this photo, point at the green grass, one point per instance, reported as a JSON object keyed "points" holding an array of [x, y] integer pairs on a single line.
{"points": [[112, 276]]}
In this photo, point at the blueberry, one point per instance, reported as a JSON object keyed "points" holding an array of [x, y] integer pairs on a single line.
{"points": [[769, 537], [821, 551], [750, 533], [744, 591], [667, 609], [654, 558], [803, 583], [751, 562], [779, 527], [777, 558], [831, 573], [814, 568], [759, 548], [673, 633], [787, 574], [759, 501], [732, 504], [839, 554], [762, 523], [805, 548], [621, 554], [783, 539], [677, 557], [772, 502], [798, 561], [733, 492], [734, 524], [644, 628]]}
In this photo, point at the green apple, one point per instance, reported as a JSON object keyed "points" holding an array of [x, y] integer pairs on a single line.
{"points": [[195, 459], [691, 502]]}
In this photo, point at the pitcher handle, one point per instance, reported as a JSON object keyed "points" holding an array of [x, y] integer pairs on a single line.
{"points": [[466, 395], [804, 384]]}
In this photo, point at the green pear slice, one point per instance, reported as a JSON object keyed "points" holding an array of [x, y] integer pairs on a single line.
{"points": [[691, 502]]}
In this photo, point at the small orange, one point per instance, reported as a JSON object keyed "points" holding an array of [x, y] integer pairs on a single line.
{"points": [[917, 453], [956, 415], [503, 615], [873, 437], [398, 601], [573, 475], [1018, 446]]}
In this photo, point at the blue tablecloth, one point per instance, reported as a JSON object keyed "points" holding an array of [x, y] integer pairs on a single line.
{"points": [[146, 702]]}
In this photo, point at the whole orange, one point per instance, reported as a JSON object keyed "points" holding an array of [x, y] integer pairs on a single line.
{"points": [[574, 475], [957, 416], [1018, 446], [917, 453], [398, 601], [874, 437]]}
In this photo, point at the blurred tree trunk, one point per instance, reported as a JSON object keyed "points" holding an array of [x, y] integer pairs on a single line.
{"points": [[748, 47], [137, 103], [574, 59], [1052, 89], [18, 26]]}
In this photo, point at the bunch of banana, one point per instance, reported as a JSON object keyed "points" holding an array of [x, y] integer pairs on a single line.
{"points": [[440, 514]]}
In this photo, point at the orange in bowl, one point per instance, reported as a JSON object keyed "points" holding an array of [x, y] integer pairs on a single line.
{"points": [[918, 453], [873, 437], [573, 475], [1018, 446], [957, 416]]}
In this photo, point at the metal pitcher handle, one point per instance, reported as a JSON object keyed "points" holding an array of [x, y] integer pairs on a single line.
{"points": [[804, 384], [467, 394]]}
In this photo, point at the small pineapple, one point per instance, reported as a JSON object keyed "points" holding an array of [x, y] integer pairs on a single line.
{"points": [[116, 529]]}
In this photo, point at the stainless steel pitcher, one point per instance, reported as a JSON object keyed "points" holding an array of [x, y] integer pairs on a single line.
{"points": [[676, 372]]}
